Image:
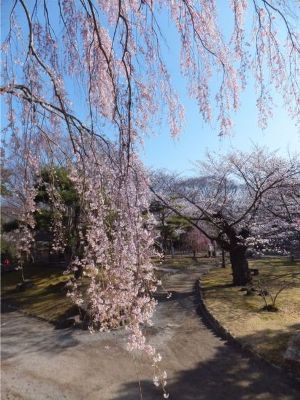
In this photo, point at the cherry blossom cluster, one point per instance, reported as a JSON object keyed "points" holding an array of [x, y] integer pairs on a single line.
{"points": [[114, 52], [115, 278], [58, 243], [24, 205], [24, 238]]}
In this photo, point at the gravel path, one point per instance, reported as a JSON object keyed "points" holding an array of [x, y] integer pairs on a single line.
{"points": [[40, 362]]}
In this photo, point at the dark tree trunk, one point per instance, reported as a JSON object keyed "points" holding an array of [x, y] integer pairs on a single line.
{"points": [[223, 259], [172, 250], [240, 271]]}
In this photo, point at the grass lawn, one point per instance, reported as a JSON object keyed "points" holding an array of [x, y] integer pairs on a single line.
{"points": [[242, 315], [46, 299]]}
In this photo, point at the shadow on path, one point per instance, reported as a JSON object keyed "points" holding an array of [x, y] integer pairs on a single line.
{"points": [[226, 376], [34, 337]]}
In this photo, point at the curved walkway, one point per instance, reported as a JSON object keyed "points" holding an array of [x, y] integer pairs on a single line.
{"points": [[39, 362]]}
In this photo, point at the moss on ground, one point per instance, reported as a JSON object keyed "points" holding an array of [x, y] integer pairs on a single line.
{"points": [[242, 315], [46, 299]]}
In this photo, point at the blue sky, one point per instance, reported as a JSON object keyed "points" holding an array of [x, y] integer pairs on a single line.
{"points": [[161, 151]]}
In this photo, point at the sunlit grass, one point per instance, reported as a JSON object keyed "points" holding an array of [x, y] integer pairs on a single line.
{"points": [[268, 332]]}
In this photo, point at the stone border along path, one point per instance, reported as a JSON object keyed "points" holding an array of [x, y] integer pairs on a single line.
{"points": [[225, 334], [40, 362]]}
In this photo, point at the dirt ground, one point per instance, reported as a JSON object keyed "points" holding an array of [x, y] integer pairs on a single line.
{"points": [[40, 362]]}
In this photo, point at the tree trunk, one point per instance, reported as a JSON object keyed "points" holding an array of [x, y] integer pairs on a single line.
{"points": [[172, 250], [240, 271], [223, 259]]}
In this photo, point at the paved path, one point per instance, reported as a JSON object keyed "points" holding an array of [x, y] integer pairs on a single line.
{"points": [[39, 362]]}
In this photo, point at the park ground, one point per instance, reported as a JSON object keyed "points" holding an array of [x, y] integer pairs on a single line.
{"points": [[40, 361], [242, 312]]}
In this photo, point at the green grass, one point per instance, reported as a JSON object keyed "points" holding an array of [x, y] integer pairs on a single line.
{"points": [[46, 299], [268, 332]]}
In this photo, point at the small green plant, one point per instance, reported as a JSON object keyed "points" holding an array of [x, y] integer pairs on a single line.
{"points": [[270, 288]]}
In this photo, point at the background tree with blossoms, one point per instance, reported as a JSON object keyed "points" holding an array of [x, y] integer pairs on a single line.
{"points": [[239, 201], [196, 241]]}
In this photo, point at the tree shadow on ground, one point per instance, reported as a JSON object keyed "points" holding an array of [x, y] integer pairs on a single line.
{"points": [[56, 287], [18, 335], [219, 286], [229, 375], [273, 343], [6, 308]]}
